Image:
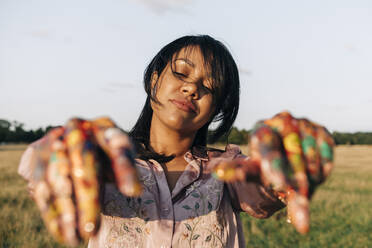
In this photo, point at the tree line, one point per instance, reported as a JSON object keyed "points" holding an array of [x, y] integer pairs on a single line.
{"points": [[358, 138], [14, 132]]}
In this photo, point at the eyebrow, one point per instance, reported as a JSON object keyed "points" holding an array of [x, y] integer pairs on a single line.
{"points": [[187, 61]]}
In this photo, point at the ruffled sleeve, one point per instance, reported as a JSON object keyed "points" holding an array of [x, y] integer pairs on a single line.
{"points": [[27, 165]]}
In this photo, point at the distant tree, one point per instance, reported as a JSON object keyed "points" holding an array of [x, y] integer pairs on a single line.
{"points": [[4, 124], [361, 138], [4, 129], [235, 136], [14, 132]]}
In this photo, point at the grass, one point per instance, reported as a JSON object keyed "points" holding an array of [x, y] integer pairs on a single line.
{"points": [[341, 209], [21, 225]]}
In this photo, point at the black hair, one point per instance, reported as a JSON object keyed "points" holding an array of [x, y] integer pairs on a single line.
{"points": [[225, 87]]}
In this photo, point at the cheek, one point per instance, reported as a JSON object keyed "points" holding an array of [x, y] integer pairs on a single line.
{"points": [[207, 108], [169, 115], [166, 89]]}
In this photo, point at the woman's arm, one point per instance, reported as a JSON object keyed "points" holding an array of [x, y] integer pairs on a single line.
{"points": [[288, 159], [65, 170]]}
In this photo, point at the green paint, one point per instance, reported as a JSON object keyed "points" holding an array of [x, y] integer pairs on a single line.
{"points": [[275, 129], [308, 142], [326, 151], [277, 163], [53, 157], [214, 175]]}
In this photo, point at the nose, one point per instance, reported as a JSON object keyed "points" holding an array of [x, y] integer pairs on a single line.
{"points": [[190, 89]]}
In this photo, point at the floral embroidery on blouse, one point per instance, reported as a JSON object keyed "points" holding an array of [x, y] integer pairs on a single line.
{"points": [[148, 180], [205, 226], [205, 196], [131, 230], [205, 231], [119, 205], [127, 233]]}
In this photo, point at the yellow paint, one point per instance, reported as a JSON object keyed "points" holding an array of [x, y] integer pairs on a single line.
{"points": [[292, 143], [74, 137]]}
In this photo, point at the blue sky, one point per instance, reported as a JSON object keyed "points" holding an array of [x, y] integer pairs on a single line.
{"points": [[60, 59]]}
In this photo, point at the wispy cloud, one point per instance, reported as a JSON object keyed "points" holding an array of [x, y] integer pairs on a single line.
{"points": [[350, 47], [49, 35], [162, 6], [42, 34], [119, 85], [114, 87], [108, 90]]}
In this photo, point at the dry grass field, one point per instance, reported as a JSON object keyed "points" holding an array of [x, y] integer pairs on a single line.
{"points": [[341, 209]]}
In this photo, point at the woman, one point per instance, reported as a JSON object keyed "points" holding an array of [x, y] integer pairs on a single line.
{"points": [[187, 195]]}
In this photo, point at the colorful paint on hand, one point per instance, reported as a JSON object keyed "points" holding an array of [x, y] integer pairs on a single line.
{"points": [[293, 155], [68, 188]]}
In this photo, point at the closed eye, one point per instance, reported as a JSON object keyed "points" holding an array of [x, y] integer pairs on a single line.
{"points": [[182, 76], [179, 74]]}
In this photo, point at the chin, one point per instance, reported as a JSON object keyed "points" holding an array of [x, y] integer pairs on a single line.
{"points": [[176, 122], [181, 124]]}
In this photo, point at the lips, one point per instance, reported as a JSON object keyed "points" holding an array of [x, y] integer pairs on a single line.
{"points": [[184, 105]]}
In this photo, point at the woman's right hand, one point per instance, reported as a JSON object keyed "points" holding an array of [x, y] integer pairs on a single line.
{"points": [[289, 156], [72, 162]]}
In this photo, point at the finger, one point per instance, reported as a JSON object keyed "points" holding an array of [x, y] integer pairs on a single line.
{"points": [[240, 169], [119, 149], [43, 150], [84, 176], [308, 132], [45, 202], [298, 211], [325, 145], [265, 146], [288, 128], [297, 196], [58, 177], [42, 194]]}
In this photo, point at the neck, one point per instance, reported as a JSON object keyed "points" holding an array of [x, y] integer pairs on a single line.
{"points": [[167, 141]]}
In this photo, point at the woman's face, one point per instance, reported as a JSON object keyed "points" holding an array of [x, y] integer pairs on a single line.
{"points": [[184, 94]]}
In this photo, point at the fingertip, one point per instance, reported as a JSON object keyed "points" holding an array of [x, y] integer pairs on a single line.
{"points": [[56, 132], [129, 183], [327, 168], [298, 211], [131, 189], [224, 171], [118, 141], [103, 122]]}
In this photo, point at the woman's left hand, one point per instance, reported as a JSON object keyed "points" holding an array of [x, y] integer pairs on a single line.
{"points": [[292, 156]]}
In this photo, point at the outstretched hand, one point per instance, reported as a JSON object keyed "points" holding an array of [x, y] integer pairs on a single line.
{"points": [[72, 162], [291, 156]]}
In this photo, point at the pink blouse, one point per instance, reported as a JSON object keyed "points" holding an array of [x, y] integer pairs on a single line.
{"points": [[201, 211]]}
